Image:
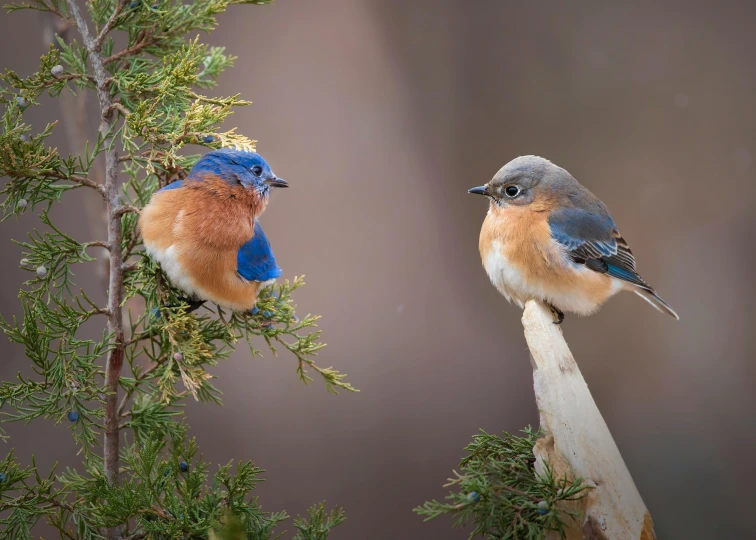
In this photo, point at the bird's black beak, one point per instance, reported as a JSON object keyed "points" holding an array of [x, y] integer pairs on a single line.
{"points": [[277, 182], [480, 190]]}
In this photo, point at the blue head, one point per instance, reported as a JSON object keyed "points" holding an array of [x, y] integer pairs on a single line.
{"points": [[239, 169]]}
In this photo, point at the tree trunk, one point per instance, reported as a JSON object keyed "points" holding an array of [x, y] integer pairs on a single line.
{"points": [[577, 442], [110, 190]]}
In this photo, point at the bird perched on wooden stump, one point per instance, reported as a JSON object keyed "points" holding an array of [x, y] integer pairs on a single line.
{"points": [[203, 230], [548, 238]]}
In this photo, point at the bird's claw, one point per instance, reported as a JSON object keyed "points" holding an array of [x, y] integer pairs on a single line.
{"points": [[265, 314], [557, 313], [194, 305]]}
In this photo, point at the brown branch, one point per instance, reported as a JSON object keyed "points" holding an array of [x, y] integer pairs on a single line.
{"points": [[73, 109], [81, 180], [64, 506], [55, 11], [130, 267], [84, 181], [126, 209], [111, 448], [130, 248], [109, 25], [520, 493], [98, 243], [139, 378], [146, 40], [123, 404], [149, 371], [115, 106], [153, 156], [68, 77]]}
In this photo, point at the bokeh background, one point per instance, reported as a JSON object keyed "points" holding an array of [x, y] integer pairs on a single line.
{"points": [[381, 113]]}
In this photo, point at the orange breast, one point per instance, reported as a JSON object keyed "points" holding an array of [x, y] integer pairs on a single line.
{"points": [[524, 262], [196, 235]]}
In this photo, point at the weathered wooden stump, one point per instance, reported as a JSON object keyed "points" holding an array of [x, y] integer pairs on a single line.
{"points": [[577, 441]]}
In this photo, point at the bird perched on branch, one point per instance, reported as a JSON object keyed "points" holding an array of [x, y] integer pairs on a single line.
{"points": [[203, 230], [547, 237]]}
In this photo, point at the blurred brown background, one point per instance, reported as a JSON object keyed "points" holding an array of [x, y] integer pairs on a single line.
{"points": [[381, 113]]}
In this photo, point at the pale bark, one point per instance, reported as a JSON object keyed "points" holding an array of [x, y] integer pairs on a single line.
{"points": [[578, 443]]}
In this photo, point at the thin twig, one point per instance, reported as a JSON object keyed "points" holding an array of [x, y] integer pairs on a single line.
{"points": [[98, 243], [520, 493], [109, 25], [79, 179], [52, 9], [122, 405], [126, 209], [133, 241], [67, 77], [84, 181], [139, 378], [120, 108], [146, 40], [129, 267]]}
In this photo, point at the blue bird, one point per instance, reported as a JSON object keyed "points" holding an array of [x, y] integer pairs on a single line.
{"points": [[546, 237], [204, 232]]}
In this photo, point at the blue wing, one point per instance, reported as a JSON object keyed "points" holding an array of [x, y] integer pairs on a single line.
{"points": [[173, 185], [255, 260], [592, 239]]}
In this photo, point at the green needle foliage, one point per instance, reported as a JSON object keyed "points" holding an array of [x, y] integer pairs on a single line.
{"points": [[318, 523], [153, 351], [499, 495]]}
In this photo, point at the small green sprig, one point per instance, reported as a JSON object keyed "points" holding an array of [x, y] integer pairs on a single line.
{"points": [[318, 524], [499, 495]]}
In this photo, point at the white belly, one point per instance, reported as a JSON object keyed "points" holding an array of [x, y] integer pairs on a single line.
{"points": [[505, 276], [568, 289], [169, 262], [168, 259]]}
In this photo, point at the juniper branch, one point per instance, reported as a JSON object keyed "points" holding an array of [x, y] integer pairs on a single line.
{"points": [[81, 180], [500, 495], [147, 103], [115, 283]]}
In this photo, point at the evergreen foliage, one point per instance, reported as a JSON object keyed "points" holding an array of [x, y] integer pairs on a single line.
{"points": [[499, 495], [153, 351]]}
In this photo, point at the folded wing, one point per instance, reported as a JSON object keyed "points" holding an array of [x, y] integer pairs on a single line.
{"points": [[255, 260], [592, 239]]}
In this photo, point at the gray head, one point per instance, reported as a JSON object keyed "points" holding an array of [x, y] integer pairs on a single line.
{"points": [[528, 179]]}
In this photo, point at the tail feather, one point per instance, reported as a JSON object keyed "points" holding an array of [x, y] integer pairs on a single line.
{"points": [[650, 296]]}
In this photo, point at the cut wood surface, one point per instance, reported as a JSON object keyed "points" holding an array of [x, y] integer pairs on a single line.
{"points": [[577, 441]]}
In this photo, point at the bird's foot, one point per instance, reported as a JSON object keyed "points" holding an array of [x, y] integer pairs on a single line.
{"points": [[265, 314], [557, 313], [194, 305]]}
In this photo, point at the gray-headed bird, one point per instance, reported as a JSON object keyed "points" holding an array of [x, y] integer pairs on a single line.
{"points": [[548, 238]]}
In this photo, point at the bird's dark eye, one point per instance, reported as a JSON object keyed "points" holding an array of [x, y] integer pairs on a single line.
{"points": [[257, 170], [512, 191]]}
